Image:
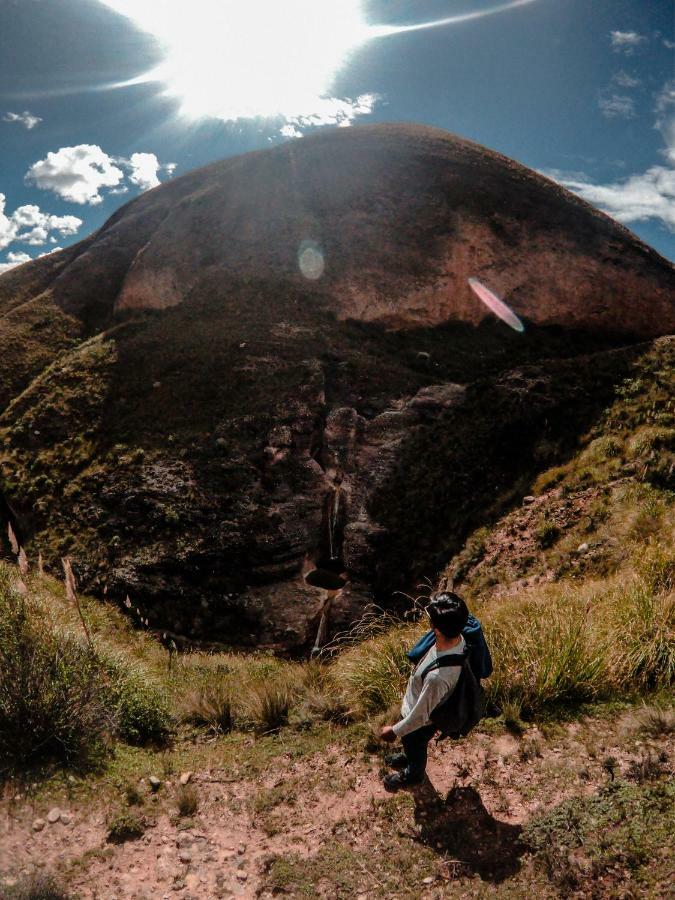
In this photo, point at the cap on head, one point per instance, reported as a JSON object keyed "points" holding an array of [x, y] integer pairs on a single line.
{"points": [[448, 613]]}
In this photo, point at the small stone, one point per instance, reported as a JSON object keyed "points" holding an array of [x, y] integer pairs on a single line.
{"points": [[39, 824], [241, 849], [72, 779], [185, 777], [242, 876], [157, 384], [429, 880], [53, 816], [66, 818], [582, 548], [528, 501], [155, 783], [185, 856]]}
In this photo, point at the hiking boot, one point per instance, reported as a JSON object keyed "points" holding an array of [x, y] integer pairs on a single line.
{"points": [[396, 760], [397, 780]]}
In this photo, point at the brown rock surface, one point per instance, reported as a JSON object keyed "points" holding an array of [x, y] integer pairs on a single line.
{"points": [[204, 428]]}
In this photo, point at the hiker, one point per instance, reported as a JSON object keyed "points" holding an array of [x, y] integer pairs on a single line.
{"points": [[442, 656]]}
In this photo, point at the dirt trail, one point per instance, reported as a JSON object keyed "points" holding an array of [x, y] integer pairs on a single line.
{"points": [[489, 785]]}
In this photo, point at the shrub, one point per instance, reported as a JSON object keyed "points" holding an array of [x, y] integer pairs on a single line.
{"points": [[125, 826], [547, 534], [642, 650], [52, 687], [37, 886], [141, 708], [210, 705], [268, 704], [187, 800]]}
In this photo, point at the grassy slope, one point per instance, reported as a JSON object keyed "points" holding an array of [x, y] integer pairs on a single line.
{"points": [[570, 629]]}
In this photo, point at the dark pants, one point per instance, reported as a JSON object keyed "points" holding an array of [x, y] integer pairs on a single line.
{"points": [[415, 747]]}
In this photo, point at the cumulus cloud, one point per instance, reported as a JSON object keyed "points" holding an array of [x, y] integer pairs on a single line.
{"points": [[650, 195], [29, 225], [26, 118], [143, 170], [13, 260], [626, 41], [80, 174], [340, 111], [617, 106], [76, 174]]}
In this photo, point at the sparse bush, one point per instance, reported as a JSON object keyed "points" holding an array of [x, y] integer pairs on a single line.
{"points": [[53, 690], [641, 653], [140, 705], [37, 886], [372, 675], [125, 826], [133, 795], [547, 534], [268, 704], [210, 705], [657, 721], [187, 800]]}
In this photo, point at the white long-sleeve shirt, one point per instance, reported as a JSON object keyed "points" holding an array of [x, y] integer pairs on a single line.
{"points": [[421, 698]]}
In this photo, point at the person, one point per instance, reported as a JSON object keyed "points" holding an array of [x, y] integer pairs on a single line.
{"points": [[448, 614]]}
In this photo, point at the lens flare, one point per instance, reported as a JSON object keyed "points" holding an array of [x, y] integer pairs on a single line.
{"points": [[311, 260], [495, 305]]}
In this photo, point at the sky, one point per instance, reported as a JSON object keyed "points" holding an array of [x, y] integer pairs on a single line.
{"points": [[101, 100]]}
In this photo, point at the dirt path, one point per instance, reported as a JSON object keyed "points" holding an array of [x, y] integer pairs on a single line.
{"points": [[492, 783]]}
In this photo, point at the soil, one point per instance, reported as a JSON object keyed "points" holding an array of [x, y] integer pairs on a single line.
{"points": [[484, 789]]}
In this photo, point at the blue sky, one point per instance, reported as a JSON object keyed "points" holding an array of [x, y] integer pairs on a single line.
{"points": [[97, 106]]}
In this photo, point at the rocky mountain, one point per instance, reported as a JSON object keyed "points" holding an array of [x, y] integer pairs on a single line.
{"points": [[266, 386]]}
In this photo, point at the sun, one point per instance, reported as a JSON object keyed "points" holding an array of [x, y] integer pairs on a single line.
{"points": [[241, 60], [268, 59]]}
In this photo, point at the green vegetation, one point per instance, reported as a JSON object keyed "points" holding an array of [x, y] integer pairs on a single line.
{"points": [[37, 886], [613, 839], [125, 826]]}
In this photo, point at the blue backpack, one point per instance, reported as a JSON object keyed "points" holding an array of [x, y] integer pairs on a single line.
{"points": [[478, 650]]}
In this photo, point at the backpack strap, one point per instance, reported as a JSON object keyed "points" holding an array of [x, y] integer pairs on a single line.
{"points": [[442, 662]]}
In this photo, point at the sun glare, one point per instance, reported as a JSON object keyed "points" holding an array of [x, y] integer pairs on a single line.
{"points": [[244, 59], [235, 60]]}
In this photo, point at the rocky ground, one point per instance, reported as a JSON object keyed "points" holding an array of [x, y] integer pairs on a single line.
{"points": [[315, 820]]}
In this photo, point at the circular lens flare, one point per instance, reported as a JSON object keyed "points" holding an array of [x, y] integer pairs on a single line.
{"points": [[311, 260]]}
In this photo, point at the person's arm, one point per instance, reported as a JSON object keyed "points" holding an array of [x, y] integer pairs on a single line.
{"points": [[435, 690]]}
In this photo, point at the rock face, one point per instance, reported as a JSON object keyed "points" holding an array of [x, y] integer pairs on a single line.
{"points": [[263, 394]]}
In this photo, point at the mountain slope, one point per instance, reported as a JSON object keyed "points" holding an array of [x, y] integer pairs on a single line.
{"points": [[208, 429]]}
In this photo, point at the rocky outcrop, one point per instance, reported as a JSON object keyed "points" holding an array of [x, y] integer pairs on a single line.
{"points": [[263, 396]]}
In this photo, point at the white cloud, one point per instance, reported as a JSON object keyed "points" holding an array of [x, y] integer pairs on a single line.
{"points": [[340, 111], [144, 168], [625, 80], [290, 131], [76, 174], [79, 174], [14, 260], [29, 225], [626, 41], [665, 118], [617, 106], [670, 45], [26, 118], [650, 195]]}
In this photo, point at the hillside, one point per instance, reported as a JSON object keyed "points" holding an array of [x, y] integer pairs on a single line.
{"points": [[565, 791], [232, 443]]}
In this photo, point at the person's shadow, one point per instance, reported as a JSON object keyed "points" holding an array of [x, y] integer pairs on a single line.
{"points": [[461, 827]]}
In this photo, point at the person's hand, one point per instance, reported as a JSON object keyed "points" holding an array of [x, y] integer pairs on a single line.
{"points": [[388, 735]]}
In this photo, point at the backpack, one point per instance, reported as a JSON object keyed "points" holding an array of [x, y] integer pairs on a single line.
{"points": [[455, 716], [479, 652]]}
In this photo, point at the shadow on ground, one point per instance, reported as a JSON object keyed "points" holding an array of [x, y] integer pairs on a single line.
{"points": [[462, 827]]}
